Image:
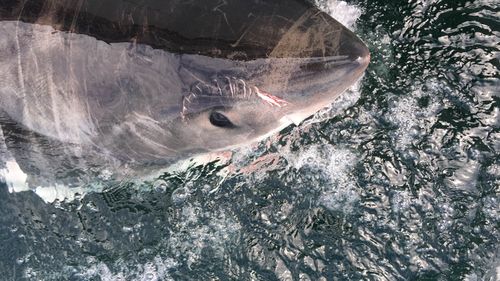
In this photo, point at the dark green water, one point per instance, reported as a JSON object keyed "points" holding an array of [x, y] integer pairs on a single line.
{"points": [[404, 184]]}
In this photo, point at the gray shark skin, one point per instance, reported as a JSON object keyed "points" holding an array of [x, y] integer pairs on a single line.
{"points": [[132, 85]]}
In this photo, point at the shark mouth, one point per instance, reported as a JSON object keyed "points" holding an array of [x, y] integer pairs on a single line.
{"points": [[223, 92]]}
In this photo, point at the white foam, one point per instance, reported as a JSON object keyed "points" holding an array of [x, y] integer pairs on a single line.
{"points": [[14, 177], [10, 172], [199, 229], [17, 181], [344, 13], [59, 192], [332, 168], [326, 169], [410, 118], [156, 269]]}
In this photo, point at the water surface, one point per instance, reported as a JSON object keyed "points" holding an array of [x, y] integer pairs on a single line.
{"points": [[399, 180]]}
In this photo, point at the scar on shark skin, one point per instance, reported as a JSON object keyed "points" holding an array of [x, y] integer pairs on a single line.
{"points": [[270, 99]]}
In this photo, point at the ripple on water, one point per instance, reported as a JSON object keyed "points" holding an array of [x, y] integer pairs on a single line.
{"points": [[401, 184]]}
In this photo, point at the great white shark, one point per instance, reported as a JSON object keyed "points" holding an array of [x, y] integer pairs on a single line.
{"points": [[135, 84]]}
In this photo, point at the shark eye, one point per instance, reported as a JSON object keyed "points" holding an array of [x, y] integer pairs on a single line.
{"points": [[220, 120]]}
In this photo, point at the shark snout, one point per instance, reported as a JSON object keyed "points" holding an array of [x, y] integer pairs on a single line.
{"points": [[350, 45], [332, 59], [337, 46], [327, 51]]}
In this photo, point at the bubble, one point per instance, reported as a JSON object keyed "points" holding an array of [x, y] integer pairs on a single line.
{"points": [[160, 186]]}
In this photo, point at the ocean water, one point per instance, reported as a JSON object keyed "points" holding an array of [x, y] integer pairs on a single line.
{"points": [[398, 180]]}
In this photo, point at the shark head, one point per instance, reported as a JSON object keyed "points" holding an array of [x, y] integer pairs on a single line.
{"points": [[229, 102]]}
